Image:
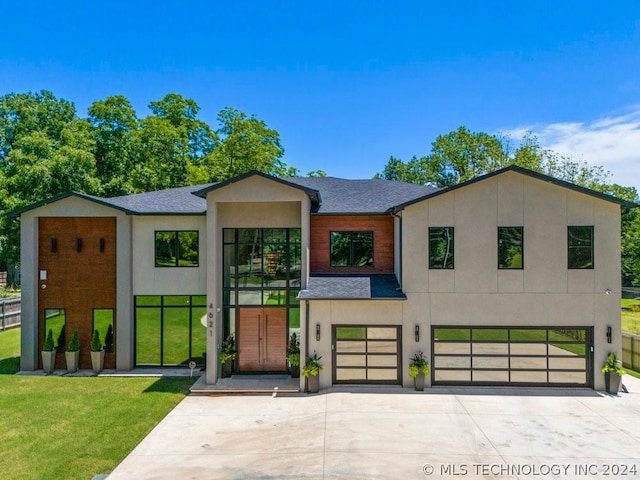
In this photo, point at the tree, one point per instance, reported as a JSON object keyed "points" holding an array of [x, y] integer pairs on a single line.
{"points": [[462, 155], [246, 144], [115, 124]]}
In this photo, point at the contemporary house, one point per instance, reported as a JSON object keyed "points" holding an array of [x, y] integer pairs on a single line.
{"points": [[509, 279]]}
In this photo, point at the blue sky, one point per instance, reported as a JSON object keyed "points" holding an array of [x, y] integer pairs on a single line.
{"points": [[347, 84]]}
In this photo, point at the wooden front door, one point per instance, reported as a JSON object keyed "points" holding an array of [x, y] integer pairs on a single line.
{"points": [[262, 339]]}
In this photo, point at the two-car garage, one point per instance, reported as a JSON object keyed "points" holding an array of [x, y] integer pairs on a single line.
{"points": [[497, 355]]}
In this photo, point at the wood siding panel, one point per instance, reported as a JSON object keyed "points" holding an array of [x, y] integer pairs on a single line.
{"points": [[383, 242], [76, 281]]}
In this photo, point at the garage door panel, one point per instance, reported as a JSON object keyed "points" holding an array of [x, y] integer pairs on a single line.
{"points": [[375, 333], [490, 362], [351, 374], [490, 348], [454, 348], [452, 375], [452, 362], [350, 347], [493, 376], [512, 355], [351, 361], [382, 347], [381, 374], [382, 361]]}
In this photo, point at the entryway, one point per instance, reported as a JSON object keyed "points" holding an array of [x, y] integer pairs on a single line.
{"points": [[262, 339]]}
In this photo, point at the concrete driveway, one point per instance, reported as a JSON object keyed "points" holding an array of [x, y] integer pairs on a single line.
{"points": [[468, 433]]}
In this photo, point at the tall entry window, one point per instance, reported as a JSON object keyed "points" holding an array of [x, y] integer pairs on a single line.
{"points": [[261, 267], [352, 249]]}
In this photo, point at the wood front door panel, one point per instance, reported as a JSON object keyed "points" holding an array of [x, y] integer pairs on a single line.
{"points": [[262, 339]]}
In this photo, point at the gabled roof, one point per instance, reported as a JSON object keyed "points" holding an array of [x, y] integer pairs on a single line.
{"points": [[172, 201], [361, 197], [313, 194], [62, 196], [523, 171]]}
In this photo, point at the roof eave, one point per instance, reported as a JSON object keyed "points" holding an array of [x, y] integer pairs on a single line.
{"points": [[61, 196]]}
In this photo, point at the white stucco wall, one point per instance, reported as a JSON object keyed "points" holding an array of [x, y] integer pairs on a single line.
{"points": [[151, 280], [545, 292]]}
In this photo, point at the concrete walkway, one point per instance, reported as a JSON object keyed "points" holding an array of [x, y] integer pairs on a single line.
{"points": [[468, 433]]}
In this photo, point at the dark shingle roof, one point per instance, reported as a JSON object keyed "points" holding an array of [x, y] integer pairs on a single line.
{"points": [[176, 201], [352, 287], [341, 195]]}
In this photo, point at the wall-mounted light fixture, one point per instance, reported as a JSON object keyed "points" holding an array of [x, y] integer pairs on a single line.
{"points": [[102, 244], [54, 245], [417, 332], [608, 291], [78, 245], [317, 331], [608, 334]]}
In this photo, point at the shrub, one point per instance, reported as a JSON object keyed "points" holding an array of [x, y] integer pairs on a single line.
{"points": [[613, 364], [108, 340], [96, 344], [312, 366], [228, 349], [293, 351], [418, 364], [74, 344], [48, 345]]}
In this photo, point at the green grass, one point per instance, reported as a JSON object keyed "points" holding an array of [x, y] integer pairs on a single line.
{"points": [[74, 428], [630, 314]]}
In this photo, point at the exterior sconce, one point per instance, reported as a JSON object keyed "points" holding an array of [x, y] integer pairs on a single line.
{"points": [[102, 245], [417, 332], [317, 331], [608, 334], [78, 245]]}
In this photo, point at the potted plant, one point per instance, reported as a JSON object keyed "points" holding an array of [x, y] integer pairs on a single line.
{"points": [[293, 356], [311, 371], [228, 353], [97, 353], [418, 370], [613, 371], [48, 353], [72, 353]]}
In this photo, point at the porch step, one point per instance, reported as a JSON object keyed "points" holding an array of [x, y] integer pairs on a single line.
{"points": [[248, 384]]}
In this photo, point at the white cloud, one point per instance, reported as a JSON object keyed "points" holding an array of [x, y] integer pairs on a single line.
{"points": [[612, 142]]}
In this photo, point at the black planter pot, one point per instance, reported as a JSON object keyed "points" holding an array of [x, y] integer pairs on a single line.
{"points": [[314, 383], [418, 382], [295, 371], [612, 382], [227, 368]]}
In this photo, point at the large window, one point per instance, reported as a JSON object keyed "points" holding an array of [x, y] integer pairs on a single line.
{"points": [[176, 249], [510, 247], [171, 329], [441, 247], [261, 266], [580, 247], [352, 249]]}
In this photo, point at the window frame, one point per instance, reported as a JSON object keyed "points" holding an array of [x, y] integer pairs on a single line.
{"points": [[432, 264], [591, 246], [350, 260], [177, 248], [506, 267]]}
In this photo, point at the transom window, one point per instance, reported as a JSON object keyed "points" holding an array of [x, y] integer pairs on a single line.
{"points": [[352, 249], [510, 247], [440, 247], [176, 248], [580, 247]]}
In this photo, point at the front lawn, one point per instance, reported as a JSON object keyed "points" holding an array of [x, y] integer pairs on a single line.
{"points": [[630, 316], [74, 428]]}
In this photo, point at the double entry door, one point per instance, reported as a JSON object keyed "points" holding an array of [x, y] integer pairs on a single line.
{"points": [[262, 339]]}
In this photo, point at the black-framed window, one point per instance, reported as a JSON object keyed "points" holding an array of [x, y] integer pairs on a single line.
{"points": [[352, 249], [170, 329], [176, 248], [580, 247], [510, 248], [441, 247]]}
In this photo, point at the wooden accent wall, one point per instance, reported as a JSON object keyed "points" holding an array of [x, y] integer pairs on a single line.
{"points": [[77, 281], [383, 242]]}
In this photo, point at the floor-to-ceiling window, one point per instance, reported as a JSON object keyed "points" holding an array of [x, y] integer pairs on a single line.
{"points": [[261, 267], [170, 329]]}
